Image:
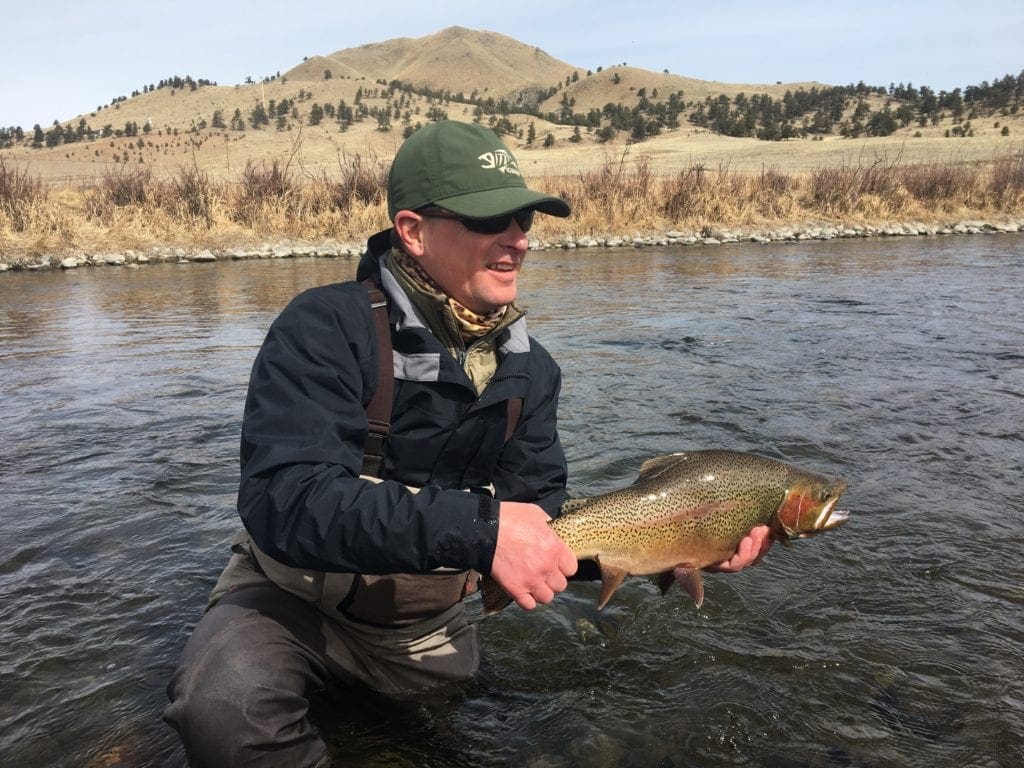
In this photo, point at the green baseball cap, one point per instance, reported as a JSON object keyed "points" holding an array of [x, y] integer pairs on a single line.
{"points": [[463, 168]]}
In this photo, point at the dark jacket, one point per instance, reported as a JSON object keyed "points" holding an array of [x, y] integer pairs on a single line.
{"points": [[304, 426]]}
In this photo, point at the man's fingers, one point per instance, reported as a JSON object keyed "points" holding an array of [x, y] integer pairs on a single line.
{"points": [[567, 562], [543, 594], [525, 601], [557, 582]]}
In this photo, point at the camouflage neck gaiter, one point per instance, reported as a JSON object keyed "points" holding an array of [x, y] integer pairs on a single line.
{"points": [[471, 325]]}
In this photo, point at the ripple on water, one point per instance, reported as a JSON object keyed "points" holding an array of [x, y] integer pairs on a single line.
{"points": [[897, 640]]}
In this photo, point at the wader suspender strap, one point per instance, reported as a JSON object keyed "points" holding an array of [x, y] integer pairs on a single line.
{"points": [[378, 410]]}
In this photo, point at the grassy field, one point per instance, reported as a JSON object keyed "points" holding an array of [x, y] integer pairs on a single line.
{"points": [[224, 189]]}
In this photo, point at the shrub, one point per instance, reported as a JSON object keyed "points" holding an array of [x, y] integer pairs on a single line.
{"points": [[19, 194], [191, 196], [264, 192], [1007, 182], [123, 187], [937, 183]]}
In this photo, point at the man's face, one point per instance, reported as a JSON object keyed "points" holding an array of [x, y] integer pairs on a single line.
{"points": [[479, 271]]}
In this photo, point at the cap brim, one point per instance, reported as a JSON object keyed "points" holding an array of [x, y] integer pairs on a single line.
{"points": [[484, 204]]}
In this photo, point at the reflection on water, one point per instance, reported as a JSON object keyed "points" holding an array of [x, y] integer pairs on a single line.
{"points": [[896, 641]]}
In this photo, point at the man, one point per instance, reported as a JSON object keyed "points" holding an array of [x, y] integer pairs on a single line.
{"points": [[345, 579]]}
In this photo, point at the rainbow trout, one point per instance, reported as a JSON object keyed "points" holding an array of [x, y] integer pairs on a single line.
{"points": [[687, 511]]}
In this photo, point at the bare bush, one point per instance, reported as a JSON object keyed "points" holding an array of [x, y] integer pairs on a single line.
{"points": [[1007, 182], [266, 192], [123, 187], [19, 195]]}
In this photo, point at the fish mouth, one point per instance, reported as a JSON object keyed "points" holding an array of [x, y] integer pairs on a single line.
{"points": [[829, 518], [836, 518]]}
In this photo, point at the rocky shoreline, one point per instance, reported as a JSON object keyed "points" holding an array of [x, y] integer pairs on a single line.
{"points": [[705, 236]]}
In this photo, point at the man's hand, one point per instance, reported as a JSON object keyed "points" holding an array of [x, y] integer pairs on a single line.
{"points": [[752, 548], [530, 562]]}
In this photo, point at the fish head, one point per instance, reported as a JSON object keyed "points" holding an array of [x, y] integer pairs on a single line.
{"points": [[809, 506]]}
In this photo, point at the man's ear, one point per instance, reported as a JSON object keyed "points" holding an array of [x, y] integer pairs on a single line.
{"points": [[409, 231]]}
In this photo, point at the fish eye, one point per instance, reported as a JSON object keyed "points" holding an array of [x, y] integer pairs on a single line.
{"points": [[825, 495]]}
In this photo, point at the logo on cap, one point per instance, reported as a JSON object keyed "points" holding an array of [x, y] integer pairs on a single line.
{"points": [[500, 160]]}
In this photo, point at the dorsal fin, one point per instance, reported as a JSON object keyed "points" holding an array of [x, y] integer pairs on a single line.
{"points": [[658, 464]]}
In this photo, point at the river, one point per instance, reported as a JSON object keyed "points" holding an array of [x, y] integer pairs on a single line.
{"points": [[897, 640]]}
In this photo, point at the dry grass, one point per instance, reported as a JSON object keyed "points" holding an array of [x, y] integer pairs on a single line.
{"points": [[20, 197], [133, 208]]}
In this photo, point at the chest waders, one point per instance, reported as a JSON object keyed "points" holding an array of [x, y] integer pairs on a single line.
{"points": [[389, 600]]}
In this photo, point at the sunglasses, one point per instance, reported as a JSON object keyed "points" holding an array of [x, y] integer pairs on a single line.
{"points": [[491, 226]]}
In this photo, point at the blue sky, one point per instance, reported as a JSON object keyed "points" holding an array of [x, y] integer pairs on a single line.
{"points": [[62, 58]]}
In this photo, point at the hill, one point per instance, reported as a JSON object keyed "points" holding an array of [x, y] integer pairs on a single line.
{"points": [[559, 118], [455, 59]]}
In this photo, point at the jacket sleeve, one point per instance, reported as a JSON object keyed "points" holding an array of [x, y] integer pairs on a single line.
{"points": [[300, 496], [532, 467]]}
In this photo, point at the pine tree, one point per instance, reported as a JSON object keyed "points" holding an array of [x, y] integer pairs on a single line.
{"points": [[258, 116]]}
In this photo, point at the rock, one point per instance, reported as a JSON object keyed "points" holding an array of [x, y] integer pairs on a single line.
{"points": [[69, 263], [975, 224], [204, 256], [114, 259]]}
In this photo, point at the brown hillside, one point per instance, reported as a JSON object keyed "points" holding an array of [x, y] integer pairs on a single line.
{"points": [[454, 59], [459, 60], [595, 90], [315, 67]]}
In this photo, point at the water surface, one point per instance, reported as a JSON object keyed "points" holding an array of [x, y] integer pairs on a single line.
{"points": [[896, 641]]}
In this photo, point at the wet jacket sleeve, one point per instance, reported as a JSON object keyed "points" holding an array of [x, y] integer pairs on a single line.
{"points": [[300, 497]]}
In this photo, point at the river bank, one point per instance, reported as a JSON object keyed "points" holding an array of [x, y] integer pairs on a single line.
{"points": [[133, 258], [133, 217]]}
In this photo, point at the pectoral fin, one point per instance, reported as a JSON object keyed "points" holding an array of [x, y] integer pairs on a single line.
{"points": [[611, 578], [688, 577]]}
